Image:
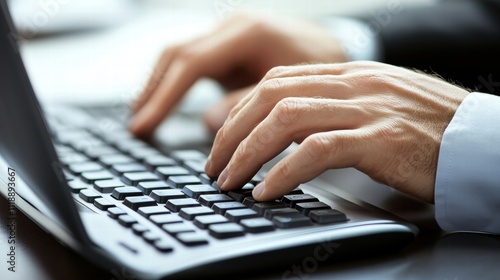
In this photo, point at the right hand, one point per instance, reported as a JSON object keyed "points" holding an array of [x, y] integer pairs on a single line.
{"points": [[237, 53]]}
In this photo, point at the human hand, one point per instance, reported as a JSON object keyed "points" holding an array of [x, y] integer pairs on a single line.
{"points": [[237, 53], [383, 120]]}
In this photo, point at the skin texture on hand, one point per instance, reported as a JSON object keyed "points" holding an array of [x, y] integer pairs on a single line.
{"points": [[238, 52], [383, 120]]}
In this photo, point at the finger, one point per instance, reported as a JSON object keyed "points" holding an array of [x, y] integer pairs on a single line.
{"points": [[262, 101], [155, 78], [319, 152], [215, 116], [290, 120]]}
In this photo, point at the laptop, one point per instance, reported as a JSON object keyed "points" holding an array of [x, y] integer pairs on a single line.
{"points": [[133, 206]]}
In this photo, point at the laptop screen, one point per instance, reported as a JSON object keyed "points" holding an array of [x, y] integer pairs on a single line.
{"points": [[25, 144]]}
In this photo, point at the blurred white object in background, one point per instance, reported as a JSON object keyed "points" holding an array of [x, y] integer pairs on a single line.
{"points": [[41, 17]]}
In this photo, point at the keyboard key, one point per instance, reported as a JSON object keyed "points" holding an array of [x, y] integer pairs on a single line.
{"points": [[326, 216], [107, 186], [181, 181], [191, 212], [134, 202], [128, 144], [306, 207], [126, 220], [135, 178], [148, 187], [139, 229], [94, 152], [205, 179], [88, 195], [114, 212], [261, 207], [257, 225], [270, 213], [194, 191], [185, 155], [155, 161], [249, 201], [293, 199], [167, 171], [152, 210], [78, 168], [191, 239], [223, 231], [175, 205], [222, 207], [177, 228], [76, 186], [109, 160], [292, 221], [165, 219], [102, 203], [74, 157], [163, 246], [121, 168], [142, 152], [204, 222], [210, 199], [162, 196], [195, 166], [151, 236], [91, 177], [236, 215], [240, 195], [123, 192]]}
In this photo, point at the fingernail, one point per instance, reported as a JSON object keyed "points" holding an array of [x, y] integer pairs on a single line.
{"points": [[222, 178], [257, 191]]}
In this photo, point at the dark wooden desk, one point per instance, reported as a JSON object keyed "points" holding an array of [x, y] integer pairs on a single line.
{"points": [[431, 256]]}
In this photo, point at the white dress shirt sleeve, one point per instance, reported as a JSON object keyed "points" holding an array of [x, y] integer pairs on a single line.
{"points": [[467, 189]]}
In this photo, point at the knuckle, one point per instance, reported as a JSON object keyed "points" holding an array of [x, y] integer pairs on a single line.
{"points": [[187, 55], [287, 111], [269, 90], [319, 147], [275, 72]]}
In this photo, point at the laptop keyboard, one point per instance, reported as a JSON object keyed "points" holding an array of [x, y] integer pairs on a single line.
{"points": [[117, 173]]}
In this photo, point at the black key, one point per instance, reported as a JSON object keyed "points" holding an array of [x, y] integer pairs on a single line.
{"points": [[249, 201], [109, 160], [142, 152], [256, 179], [292, 221], [296, 191], [163, 246], [194, 191], [155, 161], [257, 225], [76, 186], [222, 207], [114, 212], [306, 207], [223, 231], [151, 236], [139, 229], [94, 152], [177, 228], [126, 220], [261, 207], [134, 178], [162, 196], [195, 166], [210, 199], [175, 205], [165, 219], [88, 195], [148, 187], [91, 177], [103, 203], [240, 195], [129, 144], [86, 144], [326, 216], [107, 186], [185, 155], [181, 181], [191, 239], [270, 213], [167, 171], [205, 179], [74, 157], [152, 210], [191, 212], [78, 168], [293, 199], [123, 192], [134, 202], [121, 168], [236, 215], [204, 222]]}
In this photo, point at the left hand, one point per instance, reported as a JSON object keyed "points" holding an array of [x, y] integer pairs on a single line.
{"points": [[383, 120]]}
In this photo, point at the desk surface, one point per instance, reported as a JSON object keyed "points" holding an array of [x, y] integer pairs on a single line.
{"points": [[431, 256]]}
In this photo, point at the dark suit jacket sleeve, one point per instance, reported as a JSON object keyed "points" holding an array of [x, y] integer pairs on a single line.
{"points": [[459, 40]]}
